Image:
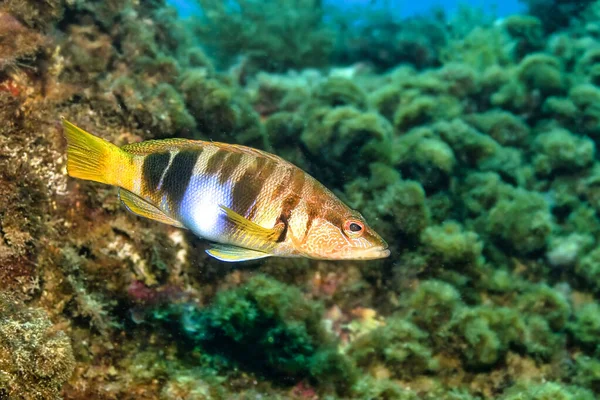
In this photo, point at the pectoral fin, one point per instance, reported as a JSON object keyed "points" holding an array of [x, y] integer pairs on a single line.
{"points": [[229, 253], [252, 229], [141, 207]]}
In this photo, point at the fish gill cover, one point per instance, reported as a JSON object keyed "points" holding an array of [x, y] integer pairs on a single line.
{"points": [[468, 143]]}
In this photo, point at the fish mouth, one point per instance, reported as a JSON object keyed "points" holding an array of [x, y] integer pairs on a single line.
{"points": [[372, 253], [377, 252]]}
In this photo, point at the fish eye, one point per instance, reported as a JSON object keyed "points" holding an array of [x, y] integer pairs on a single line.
{"points": [[354, 228]]}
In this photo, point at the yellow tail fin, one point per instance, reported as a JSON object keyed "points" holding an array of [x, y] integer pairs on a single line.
{"points": [[93, 158]]}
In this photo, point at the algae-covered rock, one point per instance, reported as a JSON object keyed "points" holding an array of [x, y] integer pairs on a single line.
{"points": [[405, 204], [161, 109], [424, 110], [450, 245], [369, 387], [591, 187], [511, 95], [556, 14], [587, 372], [386, 40], [485, 334], [270, 327], [385, 99], [36, 359], [481, 190], [559, 150], [543, 342], [399, 346], [583, 219], [35, 14], [345, 138], [587, 267], [542, 72], [506, 128], [17, 41], [586, 98], [547, 391], [560, 108], [587, 65], [469, 145], [337, 91], [283, 128], [510, 164], [523, 222], [480, 345], [434, 304], [481, 48], [548, 303], [567, 251], [209, 101], [423, 157], [585, 329], [275, 36], [527, 30]]}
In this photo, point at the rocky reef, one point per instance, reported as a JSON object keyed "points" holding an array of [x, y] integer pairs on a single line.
{"points": [[470, 146]]}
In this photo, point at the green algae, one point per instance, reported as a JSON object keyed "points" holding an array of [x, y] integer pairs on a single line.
{"points": [[506, 128], [400, 346], [284, 34], [522, 235], [269, 327], [560, 149]]}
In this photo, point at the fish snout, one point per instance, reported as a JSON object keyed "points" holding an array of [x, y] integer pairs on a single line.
{"points": [[374, 253]]}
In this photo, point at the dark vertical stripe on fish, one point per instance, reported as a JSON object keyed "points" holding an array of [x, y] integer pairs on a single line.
{"points": [[154, 168], [229, 166], [334, 217], [317, 207], [295, 194], [312, 213], [215, 162], [283, 185], [177, 177], [246, 190]]}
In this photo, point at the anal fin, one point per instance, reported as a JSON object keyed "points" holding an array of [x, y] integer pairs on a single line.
{"points": [[230, 253], [141, 207]]}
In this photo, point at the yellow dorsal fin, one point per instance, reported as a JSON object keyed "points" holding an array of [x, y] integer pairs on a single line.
{"points": [[157, 146], [230, 253], [252, 229], [141, 207]]}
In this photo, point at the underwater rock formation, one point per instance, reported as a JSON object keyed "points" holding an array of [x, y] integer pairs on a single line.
{"points": [[36, 359], [471, 146]]}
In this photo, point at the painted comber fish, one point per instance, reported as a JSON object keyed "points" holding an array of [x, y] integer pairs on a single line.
{"points": [[249, 203]]}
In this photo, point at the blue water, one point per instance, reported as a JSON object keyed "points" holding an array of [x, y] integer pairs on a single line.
{"points": [[404, 8]]}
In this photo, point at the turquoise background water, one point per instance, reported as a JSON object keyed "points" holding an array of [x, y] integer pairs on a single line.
{"points": [[403, 8]]}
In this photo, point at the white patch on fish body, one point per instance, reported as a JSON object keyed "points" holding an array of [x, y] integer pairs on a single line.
{"points": [[200, 211], [172, 155]]}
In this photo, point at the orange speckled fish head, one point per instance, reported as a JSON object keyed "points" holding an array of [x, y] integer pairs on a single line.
{"points": [[343, 234]]}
